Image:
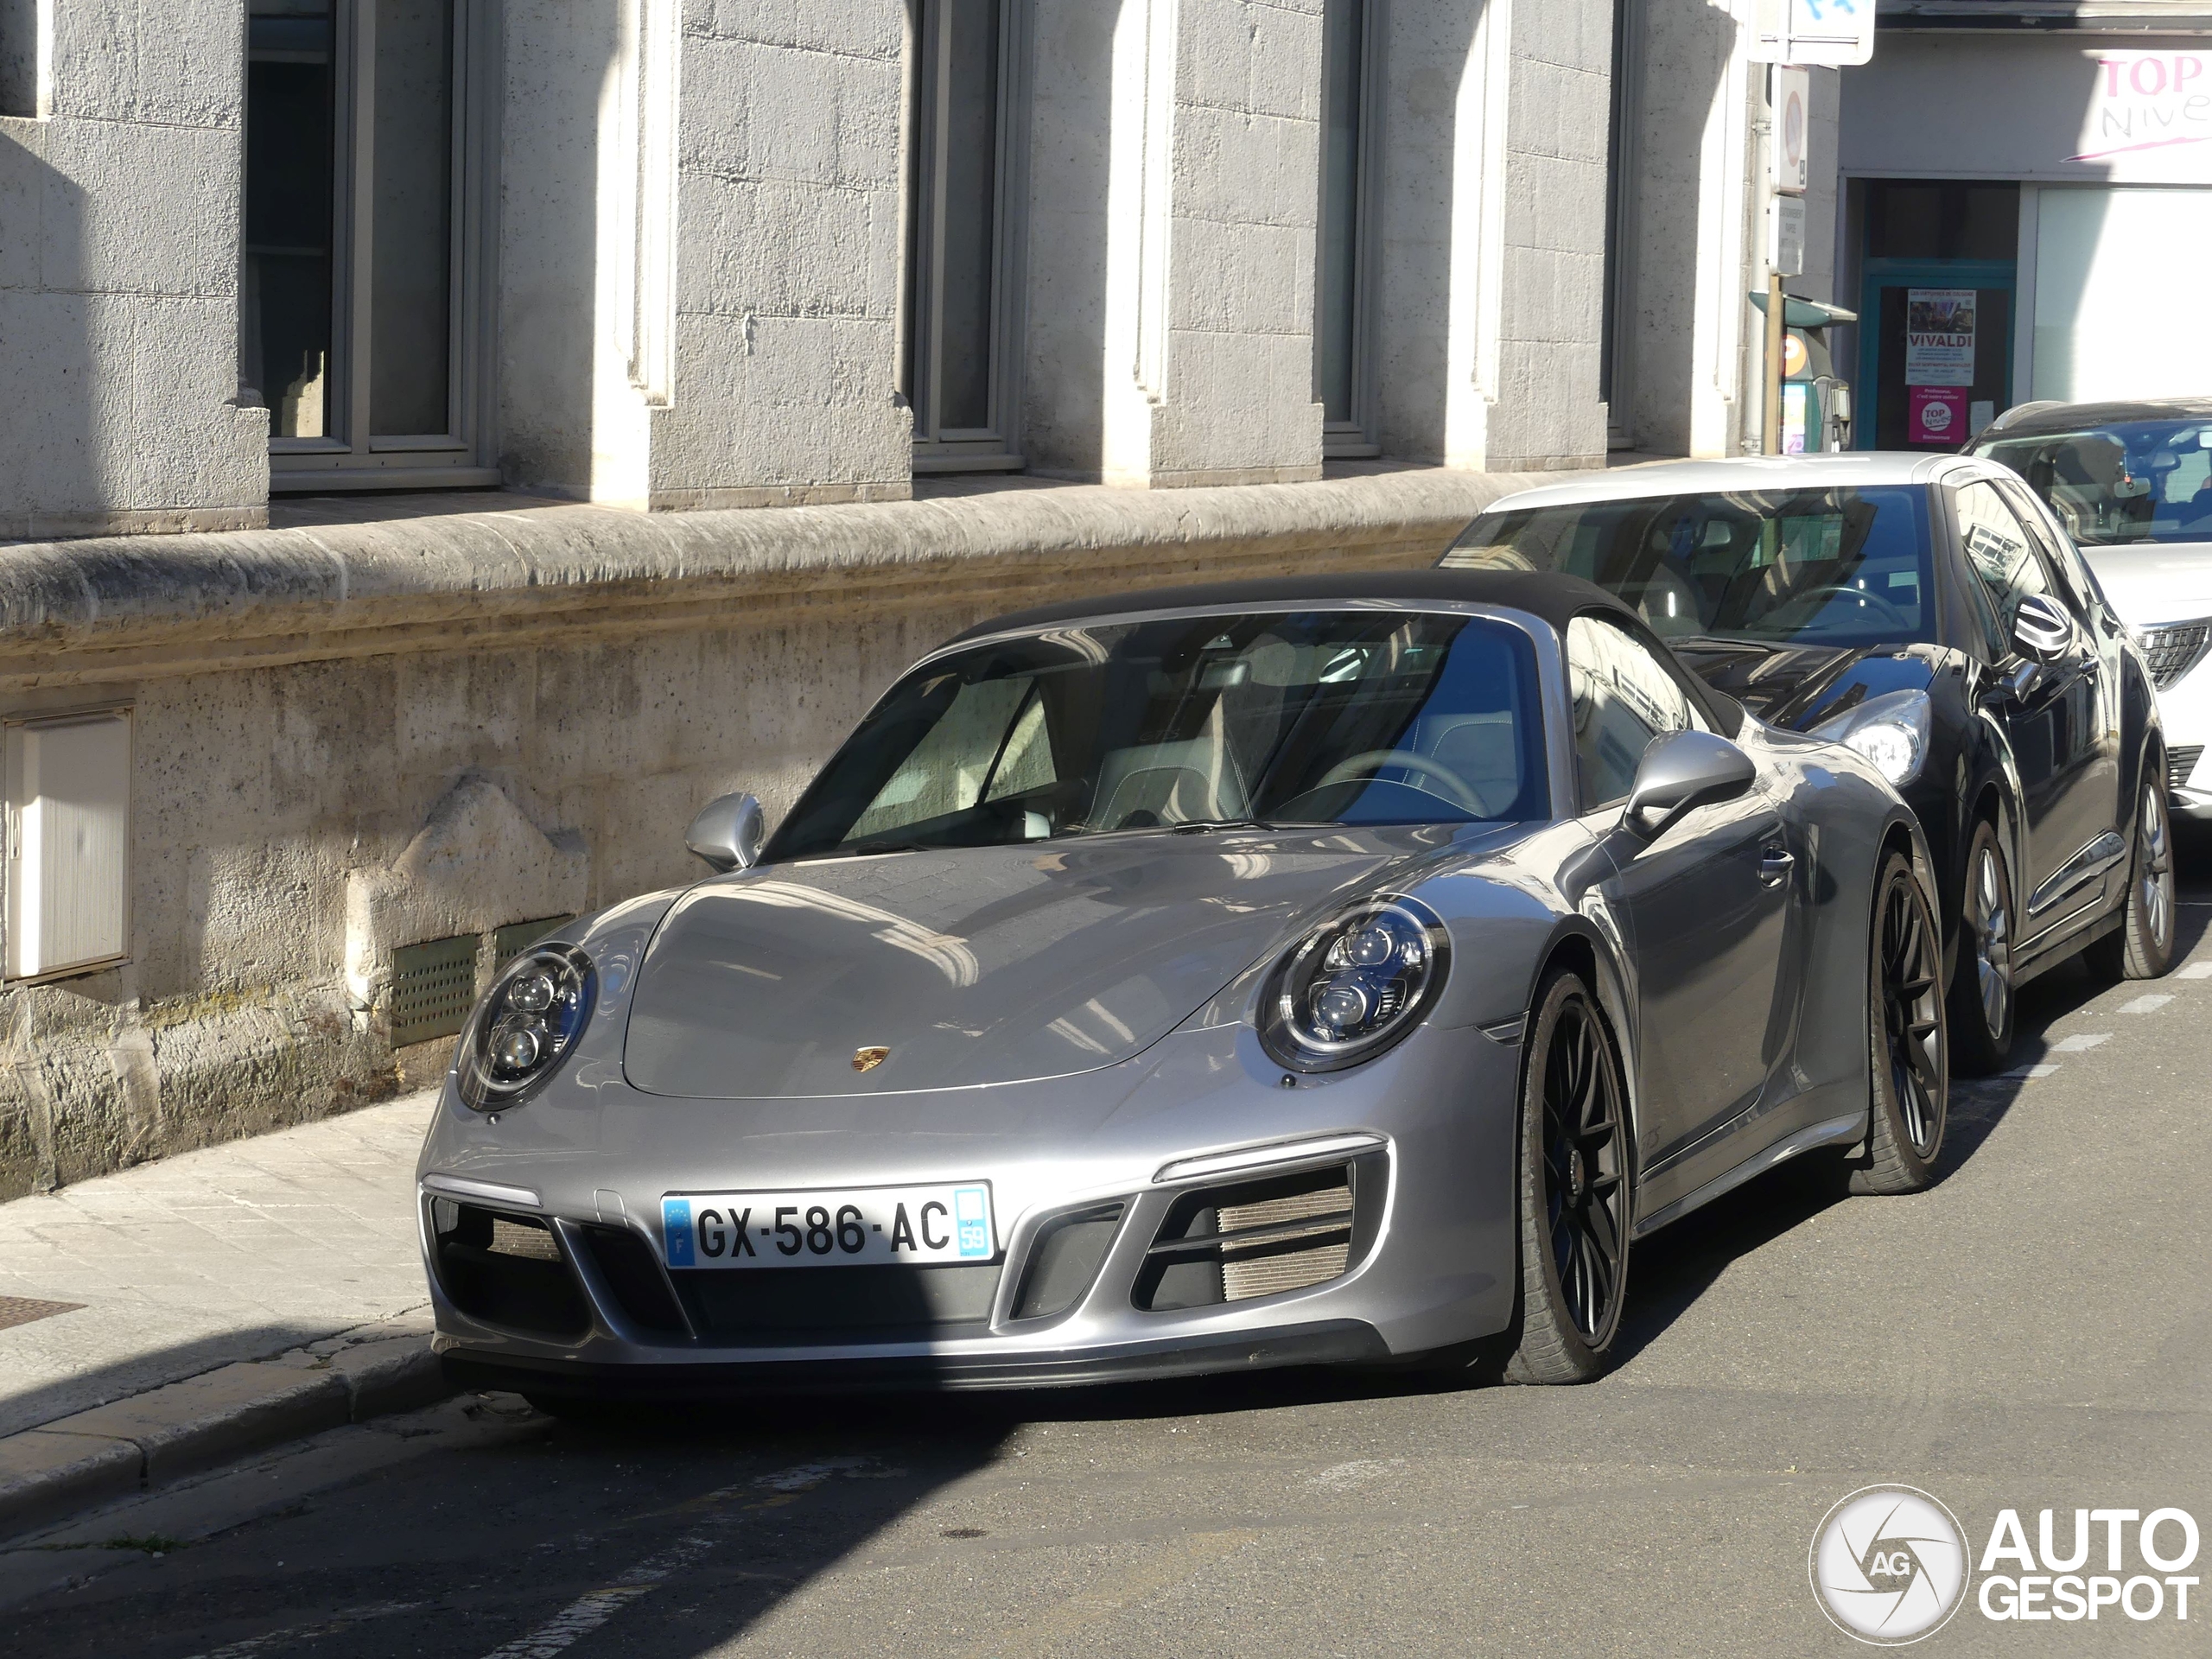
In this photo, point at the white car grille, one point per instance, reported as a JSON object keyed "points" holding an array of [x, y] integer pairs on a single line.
{"points": [[2173, 648]]}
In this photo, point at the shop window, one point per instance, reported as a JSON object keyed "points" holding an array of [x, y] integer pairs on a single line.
{"points": [[961, 340], [362, 225], [1343, 285], [2110, 319], [1927, 218], [68, 835]]}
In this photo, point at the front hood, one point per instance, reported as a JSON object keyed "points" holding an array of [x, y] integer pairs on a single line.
{"points": [[1801, 686], [971, 965], [2155, 581]]}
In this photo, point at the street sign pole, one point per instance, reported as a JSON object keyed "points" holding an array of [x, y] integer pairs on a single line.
{"points": [[1771, 424]]}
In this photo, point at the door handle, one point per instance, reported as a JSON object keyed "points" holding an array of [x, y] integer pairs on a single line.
{"points": [[1776, 861]]}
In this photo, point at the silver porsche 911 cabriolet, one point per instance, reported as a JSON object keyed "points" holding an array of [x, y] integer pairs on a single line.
{"points": [[1332, 969]]}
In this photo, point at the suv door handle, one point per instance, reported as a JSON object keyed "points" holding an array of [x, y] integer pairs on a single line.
{"points": [[1774, 863]]}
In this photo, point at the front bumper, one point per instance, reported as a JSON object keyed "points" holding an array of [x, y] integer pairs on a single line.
{"points": [[1421, 1142]]}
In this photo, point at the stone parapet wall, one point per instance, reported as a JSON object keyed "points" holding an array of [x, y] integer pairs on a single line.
{"points": [[346, 736]]}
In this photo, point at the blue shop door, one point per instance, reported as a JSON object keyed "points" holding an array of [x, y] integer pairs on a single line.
{"points": [[1935, 351]]}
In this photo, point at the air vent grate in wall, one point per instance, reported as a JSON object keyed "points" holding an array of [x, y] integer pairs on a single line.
{"points": [[516, 937], [433, 987]]}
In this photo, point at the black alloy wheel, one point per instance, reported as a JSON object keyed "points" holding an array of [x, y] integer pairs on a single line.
{"points": [[1907, 1062], [1981, 987], [1574, 1189], [2143, 946]]}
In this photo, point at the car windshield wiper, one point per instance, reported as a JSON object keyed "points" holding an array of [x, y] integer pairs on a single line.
{"points": [[1714, 642], [1199, 826]]}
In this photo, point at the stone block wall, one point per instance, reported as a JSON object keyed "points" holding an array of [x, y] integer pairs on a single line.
{"points": [[120, 251], [351, 740]]}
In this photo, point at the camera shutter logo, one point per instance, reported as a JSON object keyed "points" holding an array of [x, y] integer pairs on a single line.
{"points": [[1889, 1564]]}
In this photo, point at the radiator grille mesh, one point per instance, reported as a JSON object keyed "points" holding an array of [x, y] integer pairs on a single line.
{"points": [[1306, 1257], [2181, 760], [2173, 648]]}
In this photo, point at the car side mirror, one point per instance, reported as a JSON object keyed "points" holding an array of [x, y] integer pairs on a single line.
{"points": [[1681, 773], [728, 832], [2042, 632]]}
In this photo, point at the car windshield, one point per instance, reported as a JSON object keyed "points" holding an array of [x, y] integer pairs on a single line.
{"points": [[2130, 481], [1812, 567], [1312, 718]]}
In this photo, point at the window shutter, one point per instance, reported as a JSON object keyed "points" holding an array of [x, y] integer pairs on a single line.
{"points": [[68, 844]]}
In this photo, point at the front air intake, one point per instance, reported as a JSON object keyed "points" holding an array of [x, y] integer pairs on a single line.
{"points": [[2181, 761], [1263, 1237], [506, 1270], [2172, 649]]}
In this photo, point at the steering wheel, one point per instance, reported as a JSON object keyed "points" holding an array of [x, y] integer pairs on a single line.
{"points": [[1860, 596], [1457, 790]]}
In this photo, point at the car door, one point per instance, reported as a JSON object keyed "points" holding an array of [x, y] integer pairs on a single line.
{"points": [[2050, 711], [1703, 906]]}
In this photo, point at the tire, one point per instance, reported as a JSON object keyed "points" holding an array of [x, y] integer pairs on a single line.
{"points": [[1573, 1190], [1982, 1002], [1905, 1038], [2143, 946]]}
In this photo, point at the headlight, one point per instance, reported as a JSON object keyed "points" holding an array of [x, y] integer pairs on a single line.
{"points": [[1354, 986], [526, 1026], [1891, 730]]}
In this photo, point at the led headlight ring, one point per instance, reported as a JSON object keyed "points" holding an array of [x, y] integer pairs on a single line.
{"points": [[1355, 986], [526, 1026]]}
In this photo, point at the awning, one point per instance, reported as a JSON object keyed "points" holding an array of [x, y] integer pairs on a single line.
{"points": [[1804, 313]]}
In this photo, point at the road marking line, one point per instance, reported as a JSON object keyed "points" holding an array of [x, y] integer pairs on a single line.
{"points": [[2026, 1073], [2144, 1004], [2076, 1044], [330, 1626], [593, 1608], [2195, 971]]}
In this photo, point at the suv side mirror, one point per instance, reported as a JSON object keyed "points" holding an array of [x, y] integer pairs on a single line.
{"points": [[728, 832], [1681, 773], [2042, 632]]}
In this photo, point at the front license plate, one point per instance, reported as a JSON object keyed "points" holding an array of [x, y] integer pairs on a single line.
{"points": [[838, 1227]]}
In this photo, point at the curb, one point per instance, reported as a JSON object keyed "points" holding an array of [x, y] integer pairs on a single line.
{"points": [[148, 1441]]}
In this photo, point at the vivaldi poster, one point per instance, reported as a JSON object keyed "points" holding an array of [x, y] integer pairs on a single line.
{"points": [[1939, 336]]}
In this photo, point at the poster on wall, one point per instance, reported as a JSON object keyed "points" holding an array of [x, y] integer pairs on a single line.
{"points": [[1939, 336], [1937, 415]]}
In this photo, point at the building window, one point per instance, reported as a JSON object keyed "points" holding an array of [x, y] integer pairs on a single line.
{"points": [[362, 234], [1344, 284], [963, 166], [1617, 341]]}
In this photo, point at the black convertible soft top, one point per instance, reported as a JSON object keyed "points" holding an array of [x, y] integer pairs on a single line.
{"points": [[1550, 595]]}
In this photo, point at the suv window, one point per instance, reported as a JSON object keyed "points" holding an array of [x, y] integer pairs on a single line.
{"points": [[2060, 555], [1624, 697], [2001, 558]]}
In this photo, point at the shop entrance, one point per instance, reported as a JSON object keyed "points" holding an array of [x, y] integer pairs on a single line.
{"points": [[1936, 308]]}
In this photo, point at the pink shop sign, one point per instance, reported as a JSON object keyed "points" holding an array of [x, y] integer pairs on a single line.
{"points": [[1936, 415], [2146, 101]]}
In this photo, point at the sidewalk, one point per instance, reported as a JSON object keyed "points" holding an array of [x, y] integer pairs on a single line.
{"points": [[280, 1275]]}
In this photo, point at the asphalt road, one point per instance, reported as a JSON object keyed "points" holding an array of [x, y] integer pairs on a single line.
{"points": [[2035, 1332]]}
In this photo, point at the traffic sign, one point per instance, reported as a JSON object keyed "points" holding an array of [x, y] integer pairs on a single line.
{"points": [[1789, 164], [1808, 31]]}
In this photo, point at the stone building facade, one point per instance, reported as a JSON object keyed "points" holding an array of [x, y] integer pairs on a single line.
{"points": [[574, 409]]}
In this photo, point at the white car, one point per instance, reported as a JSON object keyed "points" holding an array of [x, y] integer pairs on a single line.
{"points": [[2133, 485]]}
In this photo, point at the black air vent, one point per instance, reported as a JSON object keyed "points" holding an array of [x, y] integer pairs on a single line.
{"points": [[505, 1270], [783, 1307], [1234, 1242], [632, 1272], [1064, 1260], [2181, 760]]}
